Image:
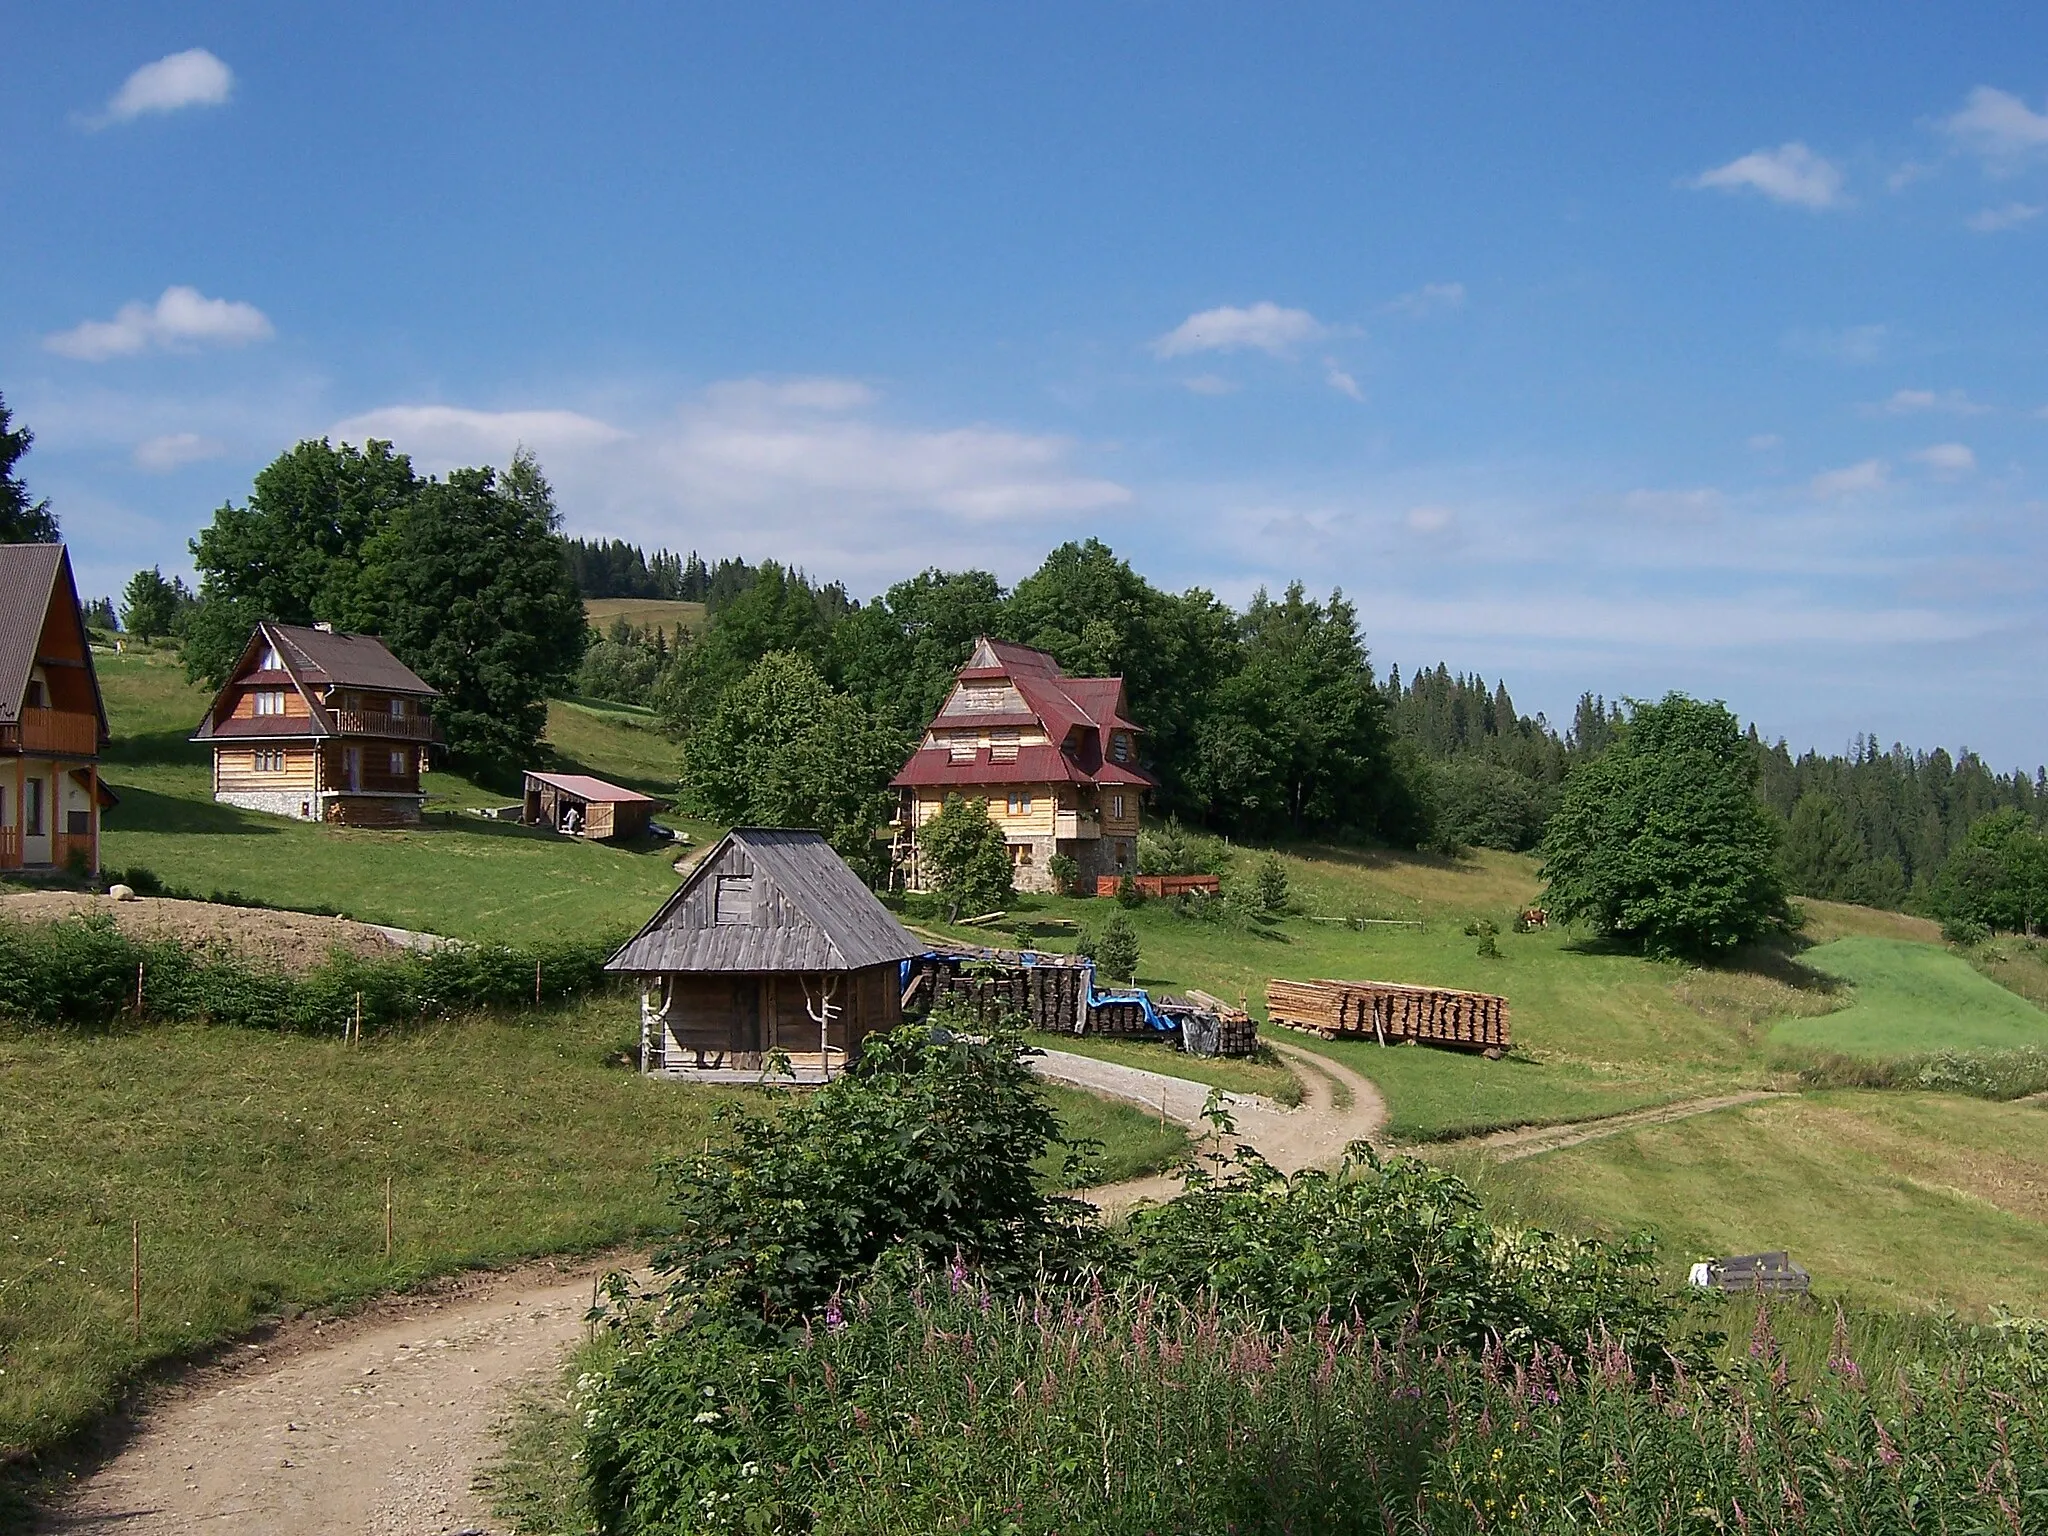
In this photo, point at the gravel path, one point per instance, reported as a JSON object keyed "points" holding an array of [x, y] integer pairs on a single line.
{"points": [[1533, 1140], [375, 1424]]}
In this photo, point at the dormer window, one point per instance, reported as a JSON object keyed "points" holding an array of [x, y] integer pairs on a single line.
{"points": [[1002, 746], [1120, 747], [963, 749]]}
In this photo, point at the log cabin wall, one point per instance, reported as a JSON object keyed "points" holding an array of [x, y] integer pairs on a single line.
{"points": [[255, 766]]}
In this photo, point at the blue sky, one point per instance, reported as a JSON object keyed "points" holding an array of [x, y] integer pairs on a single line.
{"points": [[1625, 352]]}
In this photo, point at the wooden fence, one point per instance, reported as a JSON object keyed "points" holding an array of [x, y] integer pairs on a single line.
{"points": [[1391, 1013], [1160, 885]]}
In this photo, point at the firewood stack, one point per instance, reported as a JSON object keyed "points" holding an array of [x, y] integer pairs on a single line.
{"points": [[1391, 1013]]}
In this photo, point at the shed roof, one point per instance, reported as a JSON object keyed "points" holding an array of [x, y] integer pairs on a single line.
{"points": [[584, 787], [809, 913]]}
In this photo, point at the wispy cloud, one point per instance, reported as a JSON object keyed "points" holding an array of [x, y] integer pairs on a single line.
{"points": [[1948, 460], [1991, 221], [1852, 480], [446, 435], [1999, 127], [1697, 504], [194, 78], [1920, 402], [1430, 299], [1209, 384], [1262, 327], [1791, 173], [181, 319], [174, 450], [1857, 344], [1341, 381], [1430, 519]]}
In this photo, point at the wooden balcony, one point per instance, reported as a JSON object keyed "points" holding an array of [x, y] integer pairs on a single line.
{"points": [[51, 730], [355, 722], [1073, 824]]}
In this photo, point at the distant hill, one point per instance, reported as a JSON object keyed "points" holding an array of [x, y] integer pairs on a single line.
{"points": [[643, 611]]}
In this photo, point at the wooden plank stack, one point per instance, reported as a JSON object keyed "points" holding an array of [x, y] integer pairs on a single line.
{"points": [[1391, 1013]]}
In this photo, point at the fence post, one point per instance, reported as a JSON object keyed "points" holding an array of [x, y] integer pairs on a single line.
{"points": [[135, 1282], [387, 1217], [536, 983], [138, 989]]}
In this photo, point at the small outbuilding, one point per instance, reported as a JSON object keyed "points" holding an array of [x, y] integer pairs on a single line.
{"points": [[582, 806], [772, 944]]}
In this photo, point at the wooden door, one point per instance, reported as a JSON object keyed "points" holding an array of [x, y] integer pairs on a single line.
{"points": [[746, 1014]]}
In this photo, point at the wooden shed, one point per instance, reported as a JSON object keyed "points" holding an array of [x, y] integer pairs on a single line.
{"points": [[582, 806], [771, 944]]}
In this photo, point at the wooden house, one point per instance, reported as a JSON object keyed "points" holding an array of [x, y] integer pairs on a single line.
{"points": [[581, 806], [321, 727], [1054, 757], [52, 722], [771, 944]]}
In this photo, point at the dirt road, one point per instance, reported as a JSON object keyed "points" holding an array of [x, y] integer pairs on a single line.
{"points": [[1529, 1141], [372, 1425]]}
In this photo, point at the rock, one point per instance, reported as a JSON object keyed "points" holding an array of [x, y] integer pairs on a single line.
{"points": [[121, 892]]}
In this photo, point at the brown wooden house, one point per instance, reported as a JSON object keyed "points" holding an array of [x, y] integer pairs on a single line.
{"points": [[321, 727], [771, 944], [1054, 757], [52, 723]]}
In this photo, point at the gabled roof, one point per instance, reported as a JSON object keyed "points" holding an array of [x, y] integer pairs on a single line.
{"points": [[315, 660], [809, 913], [1032, 765], [584, 787], [33, 577]]}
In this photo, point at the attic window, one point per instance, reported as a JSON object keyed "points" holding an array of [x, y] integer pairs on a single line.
{"points": [[1002, 746], [963, 749], [271, 662], [269, 701], [34, 698], [1120, 747], [735, 900]]}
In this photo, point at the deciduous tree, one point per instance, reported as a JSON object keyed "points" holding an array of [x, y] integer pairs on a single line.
{"points": [[965, 858]]}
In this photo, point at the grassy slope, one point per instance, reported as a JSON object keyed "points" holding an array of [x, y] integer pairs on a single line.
{"points": [[642, 611], [1914, 1200], [1912, 997]]}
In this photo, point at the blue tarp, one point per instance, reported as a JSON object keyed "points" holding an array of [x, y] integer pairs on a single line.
{"points": [[1096, 999]]}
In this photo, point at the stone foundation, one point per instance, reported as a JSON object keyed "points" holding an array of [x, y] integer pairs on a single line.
{"points": [[300, 805]]}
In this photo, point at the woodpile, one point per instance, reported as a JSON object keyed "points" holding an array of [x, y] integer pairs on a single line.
{"points": [[1391, 1013]]}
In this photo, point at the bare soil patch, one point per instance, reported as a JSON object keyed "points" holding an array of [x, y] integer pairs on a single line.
{"points": [[291, 941]]}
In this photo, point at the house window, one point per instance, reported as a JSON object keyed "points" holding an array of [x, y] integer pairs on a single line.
{"points": [[398, 765], [1021, 855], [32, 809], [1002, 746], [1116, 807], [34, 698], [1020, 802], [77, 824], [269, 701], [1120, 747], [963, 749], [397, 708], [734, 900], [272, 662], [269, 760]]}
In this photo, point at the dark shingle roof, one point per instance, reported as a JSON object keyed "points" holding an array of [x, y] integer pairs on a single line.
{"points": [[809, 913], [27, 573], [319, 657]]}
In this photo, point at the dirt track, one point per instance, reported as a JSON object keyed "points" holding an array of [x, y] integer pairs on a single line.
{"points": [[376, 1424], [1529, 1141], [292, 941]]}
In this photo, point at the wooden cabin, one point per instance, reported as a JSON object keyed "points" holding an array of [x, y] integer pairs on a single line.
{"points": [[580, 806], [52, 721], [321, 726], [771, 944], [1054, 757]]}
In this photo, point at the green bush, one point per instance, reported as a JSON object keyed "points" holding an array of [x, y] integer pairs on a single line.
{"points": [[83, 972], [1065, 872], [1965, 931], [1114, 949], [1270, 884], [2005, 1075]]}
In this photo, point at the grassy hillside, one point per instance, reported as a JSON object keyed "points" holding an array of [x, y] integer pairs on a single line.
{"points": [[643, 611], [458, 874], [1897, 1199], [1911, 998]]}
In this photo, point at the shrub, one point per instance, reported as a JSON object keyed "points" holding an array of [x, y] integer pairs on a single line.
{"points": [[1114, 949], [965, 858], [1127, 893], [1065, 872], [2015, 1074], [1965, 931], [1270, 884]]}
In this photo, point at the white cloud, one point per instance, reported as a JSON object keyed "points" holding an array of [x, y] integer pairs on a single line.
{"points": [[1764, 442], [1209, 384], [1857, 344], [194, 78], [1430, 519], [1991, 221], [1341, 381], [1688, 506], [172, 450], [1264, 327], [1915, 402], [1998, 126], [181, 319], [1430, 299], [805, 471], [1947, 459], [1853, 480], [1791, 173]]}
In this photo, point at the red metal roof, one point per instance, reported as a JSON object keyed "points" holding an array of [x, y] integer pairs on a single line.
{"points": [[584, 787], [931, 766]]}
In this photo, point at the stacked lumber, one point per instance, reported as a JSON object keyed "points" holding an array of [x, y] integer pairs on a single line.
{"points": [[1391, 1013], [996, 986]]}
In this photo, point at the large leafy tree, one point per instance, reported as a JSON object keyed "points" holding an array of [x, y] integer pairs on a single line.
{"points": [[1661, 841], [152, 606], [468, 585], [1998, 876], [295, 552], [965, 857], [779, 611], [782, 748], [899, 652], [21, 521]]}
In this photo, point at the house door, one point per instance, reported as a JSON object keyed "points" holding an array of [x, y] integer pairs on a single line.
{"points": [[35, 821], [351, 767], [746, 1014]]}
